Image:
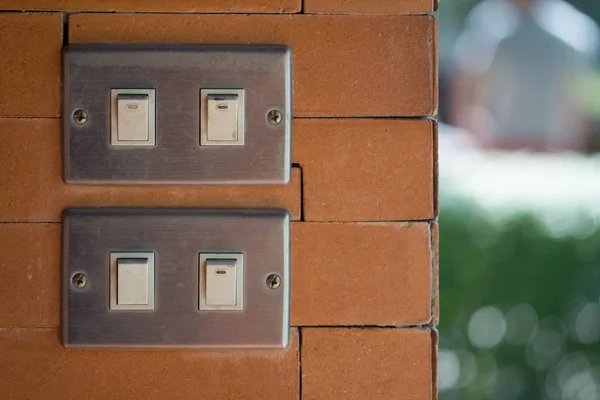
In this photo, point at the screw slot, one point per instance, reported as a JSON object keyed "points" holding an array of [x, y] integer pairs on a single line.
{"points": [[79, 280], [80, 116], [273, 281], [274, 117]]}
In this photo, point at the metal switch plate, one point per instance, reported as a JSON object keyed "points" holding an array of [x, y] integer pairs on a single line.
{"points": [[187, 142], [179, 247]]}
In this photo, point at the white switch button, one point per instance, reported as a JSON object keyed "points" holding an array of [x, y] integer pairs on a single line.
{"points": [[132, 117], [132, 281], [221, 282], [222, 117]]}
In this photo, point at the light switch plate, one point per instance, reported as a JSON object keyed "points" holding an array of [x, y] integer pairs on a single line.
{"points": [[176, 76], [176, 238]]}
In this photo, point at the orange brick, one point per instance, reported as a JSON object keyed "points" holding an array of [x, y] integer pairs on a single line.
{"points": [[435, 52], [436, 168], [35, 366], [202, 6], [369, 7], [342, 65], [30, 275], [339, 363], [365, 170], [30, 46], [361, 274], [31, 177]]}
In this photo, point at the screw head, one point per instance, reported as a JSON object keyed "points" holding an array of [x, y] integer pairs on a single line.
{"points": [[274, 117], [80, 116], [79, 280], [273, 281]]}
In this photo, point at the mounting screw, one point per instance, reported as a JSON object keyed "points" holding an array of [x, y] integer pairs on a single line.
{"points": [[274, 117], [80, 116], [79, 280], [273, 281]]}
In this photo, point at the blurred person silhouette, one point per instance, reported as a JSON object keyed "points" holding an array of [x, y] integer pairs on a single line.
{"points": [[518, 65]]}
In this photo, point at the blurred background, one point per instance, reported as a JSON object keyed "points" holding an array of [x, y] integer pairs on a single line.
{"points": [[519, 199]]}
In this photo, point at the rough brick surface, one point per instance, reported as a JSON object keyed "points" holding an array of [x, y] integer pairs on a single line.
{"points": [[354, 262], [382, 364], [35, 366], [365, 170], [30, 46], [342, 65], [361, 274], [30, 275], [31, 178], [202, 6], [369, 7]]}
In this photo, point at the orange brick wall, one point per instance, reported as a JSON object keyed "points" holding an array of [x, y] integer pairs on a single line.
{"points": [[362, 197]]}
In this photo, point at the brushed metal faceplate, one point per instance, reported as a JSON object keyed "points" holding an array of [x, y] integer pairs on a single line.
{"points": [[177, 74], [176, 237]]}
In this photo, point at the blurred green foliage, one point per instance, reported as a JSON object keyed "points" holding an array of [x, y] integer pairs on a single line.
{"points": [[485, 261], [504, 262], [587, 93]]}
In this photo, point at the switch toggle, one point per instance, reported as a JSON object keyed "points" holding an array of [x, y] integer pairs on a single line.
{"points": [[221, 281], [132, 117], [222, 117], [131, 281]]}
